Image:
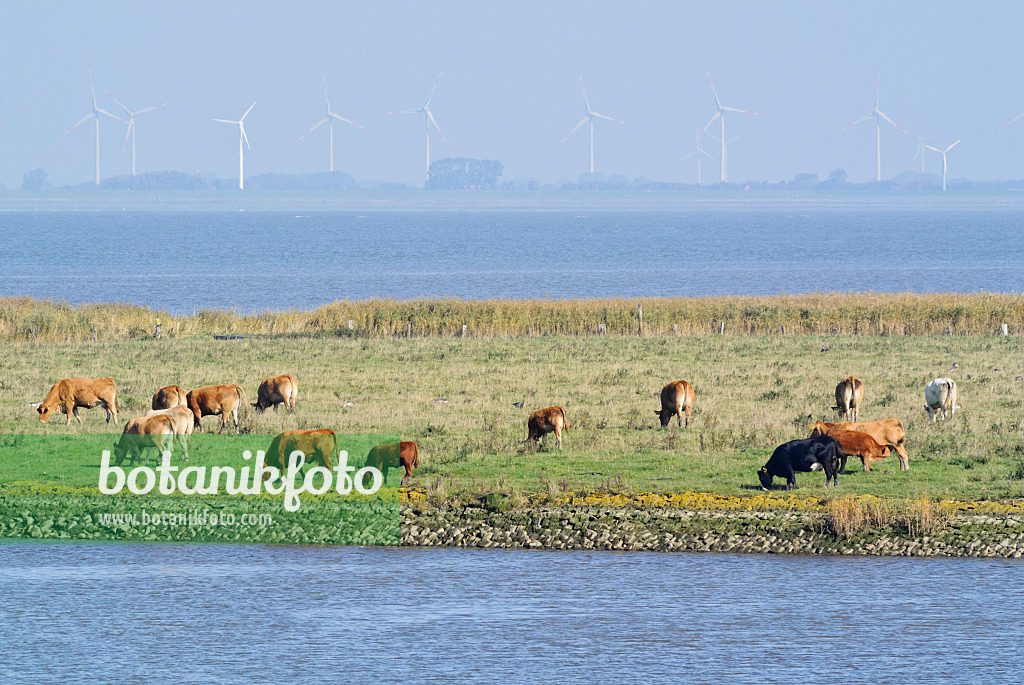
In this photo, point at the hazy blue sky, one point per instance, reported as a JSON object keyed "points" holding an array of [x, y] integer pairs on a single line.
{"points": [[510, 86]]}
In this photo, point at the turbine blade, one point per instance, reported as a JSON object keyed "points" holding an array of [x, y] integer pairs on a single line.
{"points": [[859, 121], [741, 111], [1012, 121], [883, 115], [706, 154], [718, 103], [112, 116], [602, 116], [577, 127], [585, 99], [878, 88], [934, 148], [430, 115], [226, 121], [710, 121], [92, 86], [315, 127], [407, 111], [341, 118], [431, 96], [150, 109], [81, 121], [326, 97], [241, 127], [127, 135], [683, 159], [952, 146], [119, 103], [247, 112]]}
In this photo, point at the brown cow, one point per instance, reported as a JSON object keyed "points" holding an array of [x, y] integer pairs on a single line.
{"points": [[676, 398], [849, 396], [855, 444], [887, 432], [318, 445], [183, 422], [214, 400], [169, 396], [395, 455], [69, 394], [544, 421], [144, 433], [277, 390]]}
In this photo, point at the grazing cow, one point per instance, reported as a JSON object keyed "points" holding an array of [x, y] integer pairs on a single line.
{"points": [[801, 455], [183, 422], [214, 400], [395, 455], [849, 395], [168, 396], [887, 432], [544, 421], [854, 444], [318, 445], [940, 395], [277, 390], [144, 433], [676, 398], [67, 395]]}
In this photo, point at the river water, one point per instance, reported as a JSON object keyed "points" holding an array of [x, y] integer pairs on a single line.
{"points": [[239, 614], [253, 261]]}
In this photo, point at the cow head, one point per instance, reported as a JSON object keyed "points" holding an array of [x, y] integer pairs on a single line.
{"points": [[44, 410], [765, 478], [819, 428], [665, 416], [120, 449]]}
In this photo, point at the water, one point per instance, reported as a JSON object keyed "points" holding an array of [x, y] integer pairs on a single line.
{"points": [[235, 614], [180, 261]]}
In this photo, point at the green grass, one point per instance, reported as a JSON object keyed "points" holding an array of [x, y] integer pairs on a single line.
{"points": [[753, 392]]}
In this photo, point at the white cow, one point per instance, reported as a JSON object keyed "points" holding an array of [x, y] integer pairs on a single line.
{"points": [[940, 395]]}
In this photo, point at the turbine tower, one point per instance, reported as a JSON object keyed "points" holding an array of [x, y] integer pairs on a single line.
{"points": [[428, 119], [877, 115], [94, 114], [131, 124], [698, 151], [921, 145], [944, 167], [329, 120], [589, 118], [720, 114], [241, 137]]}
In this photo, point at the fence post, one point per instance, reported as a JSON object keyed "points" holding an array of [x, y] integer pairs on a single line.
{"points": [[157, 333], [721, 328], [529, 333], [351, 325], [640, 317], [783, 330], [95, 334], [949, 331], [601, 329], [463, 330], [675, 329], [1005, 329]]}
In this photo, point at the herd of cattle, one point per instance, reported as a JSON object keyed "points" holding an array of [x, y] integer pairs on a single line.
{"points": [[176, 415]]}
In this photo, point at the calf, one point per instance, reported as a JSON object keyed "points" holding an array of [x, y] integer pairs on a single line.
{"points": [[544, 421], [183, 422], [67, 395], [849, 395], [676, 399], [142, 434], [395, 455], [168, 396], [801, 455], [277, 390], [887, 432], [940, 395], [854, 444]]}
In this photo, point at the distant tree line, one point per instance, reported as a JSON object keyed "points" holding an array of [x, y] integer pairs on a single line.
{"points": [[463, 173]]}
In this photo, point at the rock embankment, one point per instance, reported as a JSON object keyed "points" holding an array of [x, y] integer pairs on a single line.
{"points": [[676, 530]]}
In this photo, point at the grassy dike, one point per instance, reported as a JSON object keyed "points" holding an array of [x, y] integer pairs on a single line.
{"points": [[753, 392]]}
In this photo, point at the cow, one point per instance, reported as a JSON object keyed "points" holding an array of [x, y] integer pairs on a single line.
{"points": [[144, 433], [67, 395], [277, 390], [676, 398], [183, 422], [940, 395], [318, 445], [544, 421], [395, 455], [214, 400], [807, 454], [849, 396], [887, 432], [854, 444], [168, 396]]}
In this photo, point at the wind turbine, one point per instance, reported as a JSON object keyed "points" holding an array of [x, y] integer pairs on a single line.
{"points": [[428, 119], [877, 115], [241, 137], [720, 114], [698, 151], [943, 153], [328, 119], [1012, 121], [131, 124], [589, 118], [921, 145], [94, 114]]}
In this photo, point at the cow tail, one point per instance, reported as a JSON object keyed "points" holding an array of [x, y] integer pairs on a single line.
{"points": [[565, 422], [243, 400]]}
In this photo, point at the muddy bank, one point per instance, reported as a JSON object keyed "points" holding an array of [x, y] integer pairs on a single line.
{"points": [[681, 530]]}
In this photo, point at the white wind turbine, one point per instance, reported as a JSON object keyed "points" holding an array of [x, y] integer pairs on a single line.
{"points": [[943, 153], [131, 124], [328, 119], [720, 114], [877, 115], [428, 119], [94, 114], [698, 151], [241, 137], [589, 118], [921, 145]]}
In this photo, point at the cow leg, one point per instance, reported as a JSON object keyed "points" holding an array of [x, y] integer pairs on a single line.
{"points": [[275, 407], [183, 441], [74, 410], [842, 464], [790, 477], [558, 437]]}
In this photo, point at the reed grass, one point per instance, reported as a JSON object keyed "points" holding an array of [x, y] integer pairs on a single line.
{"points": [[872, 314]]}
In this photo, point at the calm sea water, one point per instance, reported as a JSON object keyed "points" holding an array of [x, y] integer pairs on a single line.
{"points": [[181, 261], [238, 614]]}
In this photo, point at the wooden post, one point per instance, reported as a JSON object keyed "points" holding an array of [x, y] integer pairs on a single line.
{"points": [[783, 330], [408, 330], [602, 329], [95, 334], [721, 328], [640, 317], [351, 324], [949, 331], [1005, 329], [157, 333], [529, 333], [675, 329], [463, 330]]}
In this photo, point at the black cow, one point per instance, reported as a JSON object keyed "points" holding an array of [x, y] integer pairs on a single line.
{"points": [[802, 455]]}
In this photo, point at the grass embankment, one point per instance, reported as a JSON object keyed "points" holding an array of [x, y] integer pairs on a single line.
{"points": [[25, 319], [753, 392]]}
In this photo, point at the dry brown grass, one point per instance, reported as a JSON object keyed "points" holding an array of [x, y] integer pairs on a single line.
{"points": [[848, 516]]}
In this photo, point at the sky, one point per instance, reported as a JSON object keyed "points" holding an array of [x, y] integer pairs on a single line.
{"points": [[510, 86]]}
